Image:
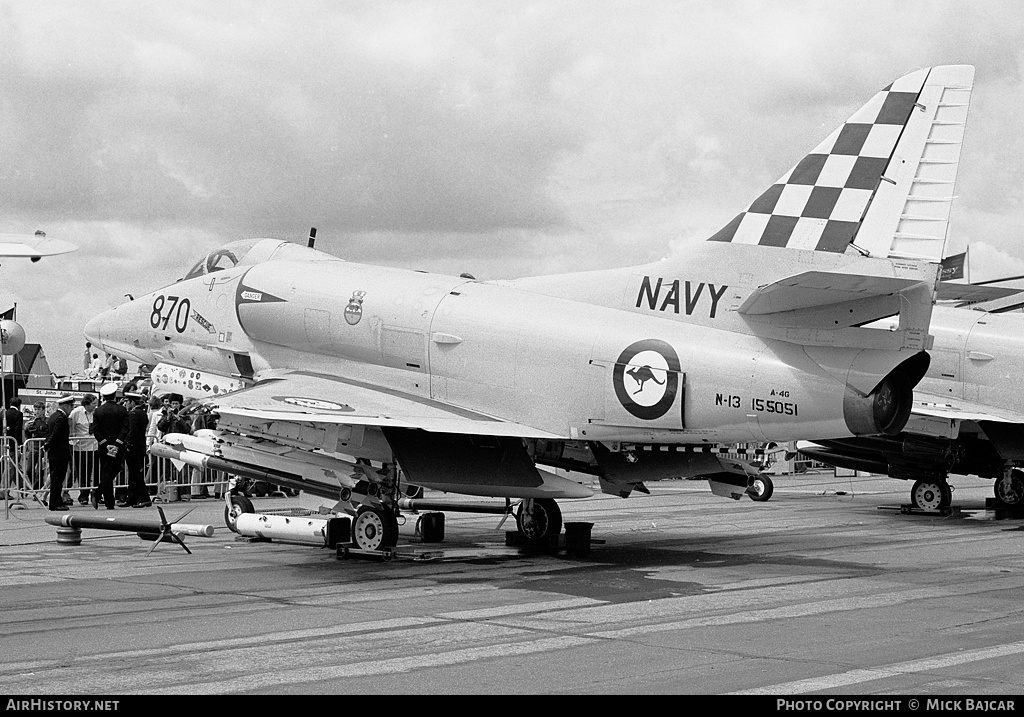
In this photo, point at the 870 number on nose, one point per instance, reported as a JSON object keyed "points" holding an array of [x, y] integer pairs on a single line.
{"points": [[177, 307]]}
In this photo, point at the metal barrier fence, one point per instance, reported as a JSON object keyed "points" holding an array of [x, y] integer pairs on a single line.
{"points": [[25, 475]]}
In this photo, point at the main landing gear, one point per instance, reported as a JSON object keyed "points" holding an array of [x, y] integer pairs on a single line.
{"points": [[374, 516], [374, 522], [931, 494], [374, 528]]}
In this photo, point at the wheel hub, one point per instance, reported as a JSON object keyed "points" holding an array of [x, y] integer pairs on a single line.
{"points": [[1010, 489], [368, 531], [929, 495]]}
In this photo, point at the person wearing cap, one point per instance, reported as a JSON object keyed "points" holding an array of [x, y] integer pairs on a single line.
{"points": [[110, 427], [58, 450], [135, 453]]}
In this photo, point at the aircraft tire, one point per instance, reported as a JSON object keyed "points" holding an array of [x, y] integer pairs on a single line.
{"points": [[374, 529], [761, 489], [542, 523], [931, 494], [1009, 490], [239, 504]]}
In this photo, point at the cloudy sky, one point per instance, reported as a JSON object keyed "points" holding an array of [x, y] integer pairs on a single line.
{"points": [[500, 138]]}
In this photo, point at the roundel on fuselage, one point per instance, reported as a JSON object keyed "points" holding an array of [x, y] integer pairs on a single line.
{"points": [[646, 378]]}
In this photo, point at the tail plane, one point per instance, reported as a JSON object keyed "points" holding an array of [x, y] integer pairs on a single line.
{"points": [[881, 184]]}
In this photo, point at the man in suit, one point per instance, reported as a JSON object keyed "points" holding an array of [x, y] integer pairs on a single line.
{"points": [[58, 450], [14, 421], [13, 428], [110, 427], [135, 453]]}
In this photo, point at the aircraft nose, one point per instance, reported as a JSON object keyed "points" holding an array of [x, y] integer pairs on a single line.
{"points": [[94, 329], [115, 331]]}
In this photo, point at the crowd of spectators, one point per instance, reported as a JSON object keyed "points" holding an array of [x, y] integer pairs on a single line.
{"points": [[102, 367], [28, 427]]}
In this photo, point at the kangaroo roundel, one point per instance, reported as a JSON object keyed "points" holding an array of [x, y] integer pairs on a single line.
{"points": [[646, 378]]}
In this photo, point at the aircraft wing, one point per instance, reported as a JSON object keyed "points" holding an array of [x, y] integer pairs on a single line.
{"points": [[319, 399], [946, 407], [1001, 306], [967, 293], [32, 246]]}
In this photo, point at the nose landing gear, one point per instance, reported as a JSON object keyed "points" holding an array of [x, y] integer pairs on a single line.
{"points": [[539, 520], [760, 488], [1009, 488]]}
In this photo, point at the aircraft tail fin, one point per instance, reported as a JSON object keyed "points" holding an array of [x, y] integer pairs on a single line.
{"points": [[881, 184]]}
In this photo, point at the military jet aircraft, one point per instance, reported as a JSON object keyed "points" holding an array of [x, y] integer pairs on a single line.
{"points": [[968, 413], [631, 375]]}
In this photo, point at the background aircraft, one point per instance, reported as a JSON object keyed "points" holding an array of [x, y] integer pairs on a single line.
{"points": [[25, 246], [32, 246], [12, 335], [630, 374], [968, 414]]}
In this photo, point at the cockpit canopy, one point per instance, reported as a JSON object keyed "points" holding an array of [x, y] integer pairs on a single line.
{"points": [[249, 252], [221, 258]]}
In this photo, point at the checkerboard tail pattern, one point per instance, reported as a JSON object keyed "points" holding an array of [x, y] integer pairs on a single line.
{"points": [[825, 201]]}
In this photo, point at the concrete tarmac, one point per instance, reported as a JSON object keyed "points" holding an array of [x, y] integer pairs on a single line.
{"points": [[827, 589]]}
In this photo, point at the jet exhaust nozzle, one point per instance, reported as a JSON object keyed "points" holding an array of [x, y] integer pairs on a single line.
{"points": [[885, 410]]}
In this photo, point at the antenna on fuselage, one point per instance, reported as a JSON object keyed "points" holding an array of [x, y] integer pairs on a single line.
{"points": [[312, 237]]}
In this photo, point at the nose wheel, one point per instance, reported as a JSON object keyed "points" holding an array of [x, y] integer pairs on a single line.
{"points": [[1009, 489], [539, 520], [761, 489], [239, 504]]}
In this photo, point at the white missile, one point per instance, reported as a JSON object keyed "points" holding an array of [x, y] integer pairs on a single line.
{"points": [[194, 529], [322, 532]]}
